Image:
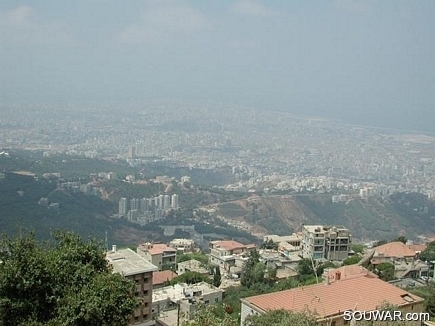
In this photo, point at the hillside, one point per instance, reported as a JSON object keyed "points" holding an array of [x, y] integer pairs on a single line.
{"points": [[375, 218], [86, 215]]}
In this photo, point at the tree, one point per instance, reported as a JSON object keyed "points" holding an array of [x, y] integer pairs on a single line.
{"points": [[282, 318], [248, 268], [352, 260], [65, 282], [429, 253], [400, 239], [386, 271], [206, 316], [357, 248], [217, 278], [190, 277], [269, 245]]}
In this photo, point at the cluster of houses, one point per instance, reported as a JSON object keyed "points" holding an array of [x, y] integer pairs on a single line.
{"points": [[348, 288]]}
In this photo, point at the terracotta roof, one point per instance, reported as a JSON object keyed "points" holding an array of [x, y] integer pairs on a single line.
{"points": [[417, 247], [349, 272], [163, 276], [363, 293], [157, 248], [228, 244], [394, 249]]}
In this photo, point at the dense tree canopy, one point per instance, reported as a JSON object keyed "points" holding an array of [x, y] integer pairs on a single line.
{"points": [[386, 271], [63, 282], [351, 260], [282, 318], [429, 253]]}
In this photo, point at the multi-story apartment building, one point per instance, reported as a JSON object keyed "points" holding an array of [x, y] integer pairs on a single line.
{"points": [[325, 242], [123, 206], [224, 253], [159, 254], [136, 268], [174, 201]]}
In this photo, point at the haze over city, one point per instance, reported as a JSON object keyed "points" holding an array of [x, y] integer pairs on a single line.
{"points": [[361, 62]]}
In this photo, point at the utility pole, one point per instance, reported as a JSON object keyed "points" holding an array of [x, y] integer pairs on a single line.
{"points": [[178, 313]]}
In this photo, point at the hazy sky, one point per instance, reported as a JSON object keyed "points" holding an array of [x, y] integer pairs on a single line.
{"points": [[370, 62]]}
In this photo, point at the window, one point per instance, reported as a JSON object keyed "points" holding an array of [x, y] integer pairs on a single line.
{"points": [[216, 300], [206, 302], [145, 292], [146, 304], [145, 316], [146, 279]]}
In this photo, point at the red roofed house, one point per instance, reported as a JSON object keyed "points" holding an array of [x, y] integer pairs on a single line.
{"points": [[159, 254], [224, 253], [330, 301], [160, 278], [404, 258]]}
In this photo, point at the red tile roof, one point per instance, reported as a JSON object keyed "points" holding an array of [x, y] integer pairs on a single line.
{"points": [[228, 244], [394, 249], [417, 247], [156, 248], [363, 293], [349, 272], [163, 276]]}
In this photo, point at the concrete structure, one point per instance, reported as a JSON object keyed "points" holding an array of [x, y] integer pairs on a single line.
{"points": [[328, 302], [174, 201], [158, 254], [185, 298], [123, 206], [288, 243], [224, 253], [192, 265], [182, 245], [136, 268], [325, 242]]}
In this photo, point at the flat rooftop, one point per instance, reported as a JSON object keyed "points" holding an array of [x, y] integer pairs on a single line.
{"points": [[284, 238], [127, 262], [179, 291], [312, 228]]}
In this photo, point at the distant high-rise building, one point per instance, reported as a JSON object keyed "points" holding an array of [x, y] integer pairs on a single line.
{"points": [[131, 151], [161, 202], [157, 214], [143, 207], [174, 201], [133, 214], [150, 205], [134, 204], [123, 206], [166, 202]]}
